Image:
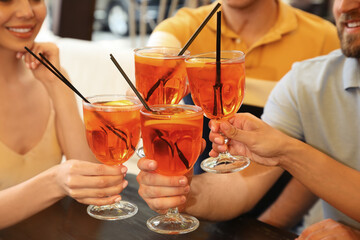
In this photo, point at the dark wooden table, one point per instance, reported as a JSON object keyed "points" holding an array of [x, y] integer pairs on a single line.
{"points": [[68, 220]]}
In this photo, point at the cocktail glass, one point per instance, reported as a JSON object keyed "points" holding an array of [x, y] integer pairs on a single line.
{"points": [[160, 76], [219, 91], [112, 125], [172, 136]]}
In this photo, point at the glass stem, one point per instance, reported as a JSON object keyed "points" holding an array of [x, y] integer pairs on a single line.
{"points": [[224, 157], [226, 140], [173, 214]]}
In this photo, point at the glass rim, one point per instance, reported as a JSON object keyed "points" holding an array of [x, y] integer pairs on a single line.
{"points": [[197, 111], [212, 55], [107, 97], [184, 55]]}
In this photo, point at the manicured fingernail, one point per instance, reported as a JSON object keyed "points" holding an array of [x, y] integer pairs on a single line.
{"points": [[218, 141], [123, 170], [125, 183], [18, 55], [183, 199], [182, 181], [151, 165], [187, 189], [33, 65], [118, 199], [28, 65]]}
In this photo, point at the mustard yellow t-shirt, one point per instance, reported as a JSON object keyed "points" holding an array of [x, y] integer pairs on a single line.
{"points": [[296, 36]]}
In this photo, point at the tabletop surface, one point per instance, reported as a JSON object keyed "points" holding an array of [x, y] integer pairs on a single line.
{"points": [[68, 220]]}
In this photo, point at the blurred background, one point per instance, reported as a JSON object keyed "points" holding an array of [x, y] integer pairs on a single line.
{"points": [[133, 20]]}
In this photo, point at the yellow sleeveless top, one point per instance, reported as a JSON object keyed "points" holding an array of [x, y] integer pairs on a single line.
{"points": [[16, 168]]}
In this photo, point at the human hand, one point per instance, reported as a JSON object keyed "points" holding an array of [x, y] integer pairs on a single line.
{"points": [[161, 192], [51, 52], [91, 183], [329, 229], [248, 136]]}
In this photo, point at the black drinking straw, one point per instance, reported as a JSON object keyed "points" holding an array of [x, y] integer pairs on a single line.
{"points": [[166, 77], [130, 83], [192, 38], [218, 84], [56, 72], [158, 132]]}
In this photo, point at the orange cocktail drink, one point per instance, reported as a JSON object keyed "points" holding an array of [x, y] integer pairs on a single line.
{"points": [[113, 128], [112, 124], [217, 84], [218, 101], [160, 74], [172, 137]]}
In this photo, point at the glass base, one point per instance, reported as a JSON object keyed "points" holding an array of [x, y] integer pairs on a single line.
{"points": [[180, 224], [140, 152], [225, 163], [116, 211]]}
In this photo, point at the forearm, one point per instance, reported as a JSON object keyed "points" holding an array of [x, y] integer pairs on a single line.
{"points": [[25, 199], [225, 196], [325, 177], [70, 127], [290, 206], [213, 198]]}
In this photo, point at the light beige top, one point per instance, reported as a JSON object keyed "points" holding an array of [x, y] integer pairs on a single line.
{"points": [[16, 168]]}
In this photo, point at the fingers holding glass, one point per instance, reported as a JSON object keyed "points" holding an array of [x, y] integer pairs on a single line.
{"points": [[218, 87], [172, 136], [112, 125]]}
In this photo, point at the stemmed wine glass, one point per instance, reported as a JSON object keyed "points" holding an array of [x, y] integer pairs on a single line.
{"points": [[218, 88], [172, 136], [112, 125], [160, 76]]}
